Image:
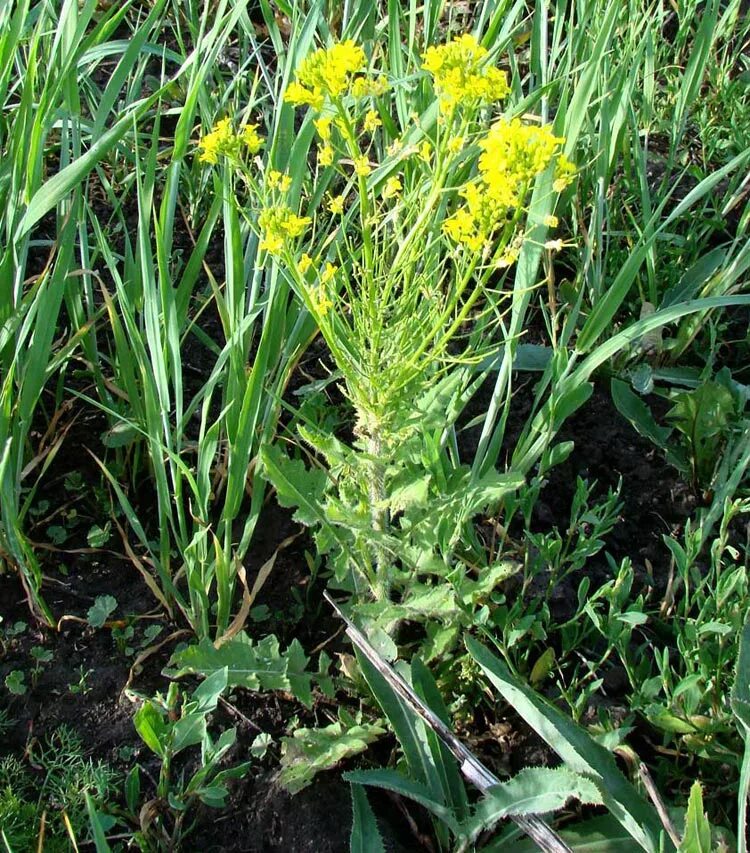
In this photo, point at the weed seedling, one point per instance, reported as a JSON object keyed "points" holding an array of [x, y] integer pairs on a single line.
{"points": [[41, 657], [15, 681]]}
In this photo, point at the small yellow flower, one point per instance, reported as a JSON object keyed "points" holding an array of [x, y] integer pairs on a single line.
{"points": [[461, 74], [362, 166], [279, 225], [251, 138], [336, 205], [321, 301], [304, 263], [219, 141], [364, 87], [272, 243], [372, 121], [328, 273], [565, 171], [554, 245], [392, 187], [425, 151], [274, 179], [298, 95], [550, 221], [325, 155], [323, 126], [456, 144], [508, 257], [327, 72]]}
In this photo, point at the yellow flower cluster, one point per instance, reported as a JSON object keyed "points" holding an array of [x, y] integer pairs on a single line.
{"points": [[370, 87], [460, 73], [279, 225], [278, 181], [516, 151], [513, 154], [327, 72], [222, 141]]}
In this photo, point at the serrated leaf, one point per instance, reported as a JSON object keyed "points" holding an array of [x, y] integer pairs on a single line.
{"points": [[296, 485], [535, 790], [392, 780], [576, 748], [311, 750], [365, 836], [255, 667]]}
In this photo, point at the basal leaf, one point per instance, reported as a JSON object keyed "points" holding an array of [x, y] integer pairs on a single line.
{"points": [[261, 666], [697, 837], [535, 790], [311, 750]]}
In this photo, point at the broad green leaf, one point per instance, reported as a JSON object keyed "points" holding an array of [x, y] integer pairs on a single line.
{"points": [[151, 728], [697, 837], [632, 407], [392, 780], [103, 607], [596, 835], [295, 484]]}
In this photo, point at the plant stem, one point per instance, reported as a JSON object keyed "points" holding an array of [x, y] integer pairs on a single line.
{"points": [[378, 513]]}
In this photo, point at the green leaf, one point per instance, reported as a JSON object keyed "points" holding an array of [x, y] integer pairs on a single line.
{"points": [[740, 701], [103, 607], [97, 537], [15, 683], [295, 484], [256, 667], [635, 410], [598, 835], [311, 750], [365, 836], [97, 827], [133, 789], [535, 790], [697, 837], [392, 780], [151, 728]]}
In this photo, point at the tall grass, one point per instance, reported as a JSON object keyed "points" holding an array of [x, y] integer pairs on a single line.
{"points": [[43, 134]]}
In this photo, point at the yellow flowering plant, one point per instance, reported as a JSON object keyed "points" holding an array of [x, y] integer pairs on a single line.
{"points": [[399, 249]]}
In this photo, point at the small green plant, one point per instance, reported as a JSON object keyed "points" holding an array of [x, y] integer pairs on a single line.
{"points": [[706, 420], [169, 725], [41, 657], [50, 802], [82, 686], [15, 681], [101, 610]]}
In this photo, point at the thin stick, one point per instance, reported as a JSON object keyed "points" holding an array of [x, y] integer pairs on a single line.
{"points": [[471, 767]]}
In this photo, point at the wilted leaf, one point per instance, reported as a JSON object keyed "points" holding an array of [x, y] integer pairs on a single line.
{"points": [[311, 750]]}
